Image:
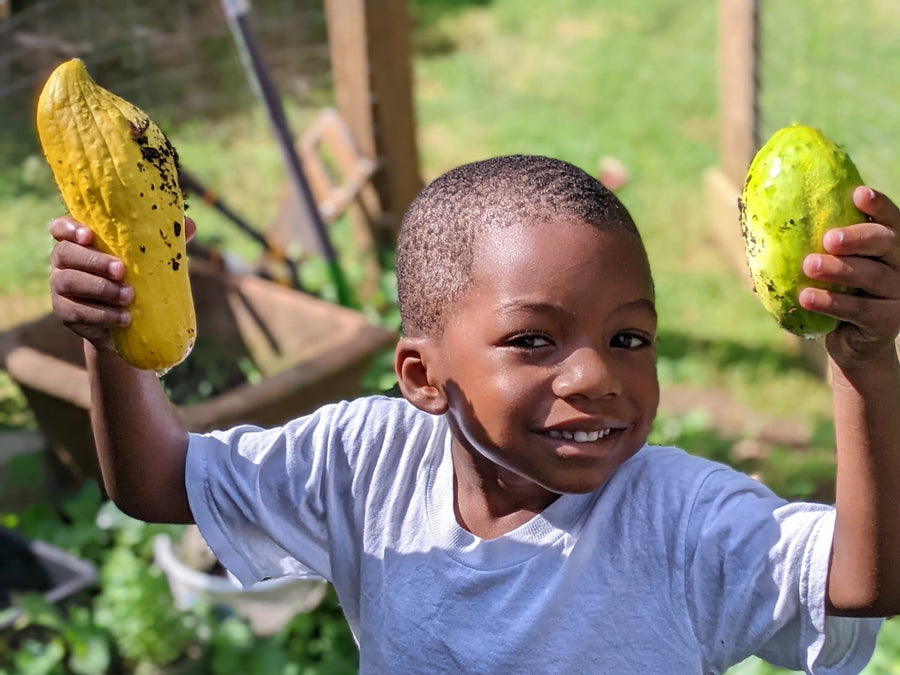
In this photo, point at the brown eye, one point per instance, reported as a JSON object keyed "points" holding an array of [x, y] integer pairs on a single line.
{"points": [[529, 341], [630, 341]]}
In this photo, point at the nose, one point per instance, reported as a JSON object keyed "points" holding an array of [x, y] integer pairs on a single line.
{"points": [[587, 372]]}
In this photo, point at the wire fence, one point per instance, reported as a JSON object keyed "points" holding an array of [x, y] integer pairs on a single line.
{"points": [[174, 58], [835, 65]]}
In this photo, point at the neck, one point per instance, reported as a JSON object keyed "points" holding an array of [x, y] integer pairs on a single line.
{"points": [[489, 500]]}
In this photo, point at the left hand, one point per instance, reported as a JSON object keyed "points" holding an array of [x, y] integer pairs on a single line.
{"points": [[864, 257]]}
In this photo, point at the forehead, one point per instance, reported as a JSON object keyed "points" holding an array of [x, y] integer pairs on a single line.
{"points": [[561, 259]]}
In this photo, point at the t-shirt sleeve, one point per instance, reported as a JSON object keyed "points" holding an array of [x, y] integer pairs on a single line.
{"points": [[756, 570], [259, 496]]}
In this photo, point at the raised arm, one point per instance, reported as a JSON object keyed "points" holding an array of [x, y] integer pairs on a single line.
{"points": [[864, 576], [140, 440]]}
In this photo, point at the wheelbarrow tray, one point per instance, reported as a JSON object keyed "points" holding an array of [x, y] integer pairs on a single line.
{"points": [[307, 352]]}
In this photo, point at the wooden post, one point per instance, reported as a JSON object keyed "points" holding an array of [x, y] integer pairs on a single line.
{"points": [[738, 90], [737, 86], [370, 59], [738, 38]]}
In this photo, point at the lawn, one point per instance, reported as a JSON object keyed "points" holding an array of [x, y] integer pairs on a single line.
{"points": [[582, 80]]}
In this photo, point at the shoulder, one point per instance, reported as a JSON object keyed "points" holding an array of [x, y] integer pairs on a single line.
{"points": [[348, 427], [672, 470], [690, 491], [713, 503], [370, 418]]}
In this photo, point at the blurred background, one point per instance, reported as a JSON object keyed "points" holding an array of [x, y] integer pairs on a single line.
{"points": [[663, 100]]}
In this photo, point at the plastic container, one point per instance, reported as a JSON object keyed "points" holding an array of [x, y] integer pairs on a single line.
{"points": [[28, 566], [267, 605]]}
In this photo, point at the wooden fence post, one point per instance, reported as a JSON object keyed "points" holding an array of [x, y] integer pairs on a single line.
{"points": [[370, 59], [738, 122], [738, 85], [738, 64]]}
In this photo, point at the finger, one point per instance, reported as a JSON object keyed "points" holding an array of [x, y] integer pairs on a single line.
{"points": [[869, 239], [66, 228], [84, 315], [90, 287], [877, 206], [190, 228], [874, 316], [68, 255], [873, 277]]}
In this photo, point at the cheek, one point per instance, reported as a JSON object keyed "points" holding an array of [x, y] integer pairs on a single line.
{"points": [[649, 399], [497, 411]]}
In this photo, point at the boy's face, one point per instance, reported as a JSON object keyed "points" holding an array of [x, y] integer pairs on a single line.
{"points": [[548, 362]]}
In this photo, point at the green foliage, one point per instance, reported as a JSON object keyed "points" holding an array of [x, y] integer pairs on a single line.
{"points": [[58, 641], [14, 410], [136, 607], [317, 643], [130, 622]]}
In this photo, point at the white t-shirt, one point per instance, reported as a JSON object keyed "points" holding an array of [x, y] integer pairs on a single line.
{"points": [[675, 565]]}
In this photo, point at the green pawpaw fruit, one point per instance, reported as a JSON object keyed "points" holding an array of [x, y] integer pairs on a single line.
{"points": [[799, 186]]}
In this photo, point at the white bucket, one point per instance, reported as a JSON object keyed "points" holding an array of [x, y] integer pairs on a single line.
{"points": [[267, 605]]}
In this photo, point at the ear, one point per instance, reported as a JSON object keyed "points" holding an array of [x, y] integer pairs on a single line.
{"points": [[416, 366]]}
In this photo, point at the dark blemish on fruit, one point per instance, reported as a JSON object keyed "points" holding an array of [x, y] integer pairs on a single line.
{"points": [[177, 229], [143, 248]]}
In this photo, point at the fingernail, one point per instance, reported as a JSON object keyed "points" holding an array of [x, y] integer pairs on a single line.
{"points": [[124, 318], [870, 193], [834, 238], [807, 298], [126, 294], [812, 263]]}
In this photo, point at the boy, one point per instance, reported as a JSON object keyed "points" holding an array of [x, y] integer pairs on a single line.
{"points": [[506, 515]]}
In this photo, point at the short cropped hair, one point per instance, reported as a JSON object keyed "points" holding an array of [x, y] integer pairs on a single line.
{"points": [[441, 228]]}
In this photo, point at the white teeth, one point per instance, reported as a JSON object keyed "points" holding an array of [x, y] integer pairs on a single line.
{"points": [[579, 436]]}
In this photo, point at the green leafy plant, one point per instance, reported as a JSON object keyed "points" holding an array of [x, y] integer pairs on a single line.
{"points": [[52, 640], [130, 623]]}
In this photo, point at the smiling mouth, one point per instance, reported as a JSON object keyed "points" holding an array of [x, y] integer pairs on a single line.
{"points": [[579, 436]]}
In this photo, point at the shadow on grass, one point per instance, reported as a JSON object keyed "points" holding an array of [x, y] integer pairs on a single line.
{"points": [[722, 355], [794, 470]]}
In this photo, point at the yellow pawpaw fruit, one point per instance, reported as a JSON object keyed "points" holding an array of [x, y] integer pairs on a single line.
{"points": [[117, 173], [799, 185]]}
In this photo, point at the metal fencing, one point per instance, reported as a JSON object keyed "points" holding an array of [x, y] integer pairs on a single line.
{"points": [[174, 58]]}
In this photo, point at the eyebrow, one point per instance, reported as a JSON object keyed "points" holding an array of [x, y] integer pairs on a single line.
{"points": [[641, 303], [513, 306]]}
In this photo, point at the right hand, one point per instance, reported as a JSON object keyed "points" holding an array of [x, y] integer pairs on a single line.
{"points": [[87, 287]]}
